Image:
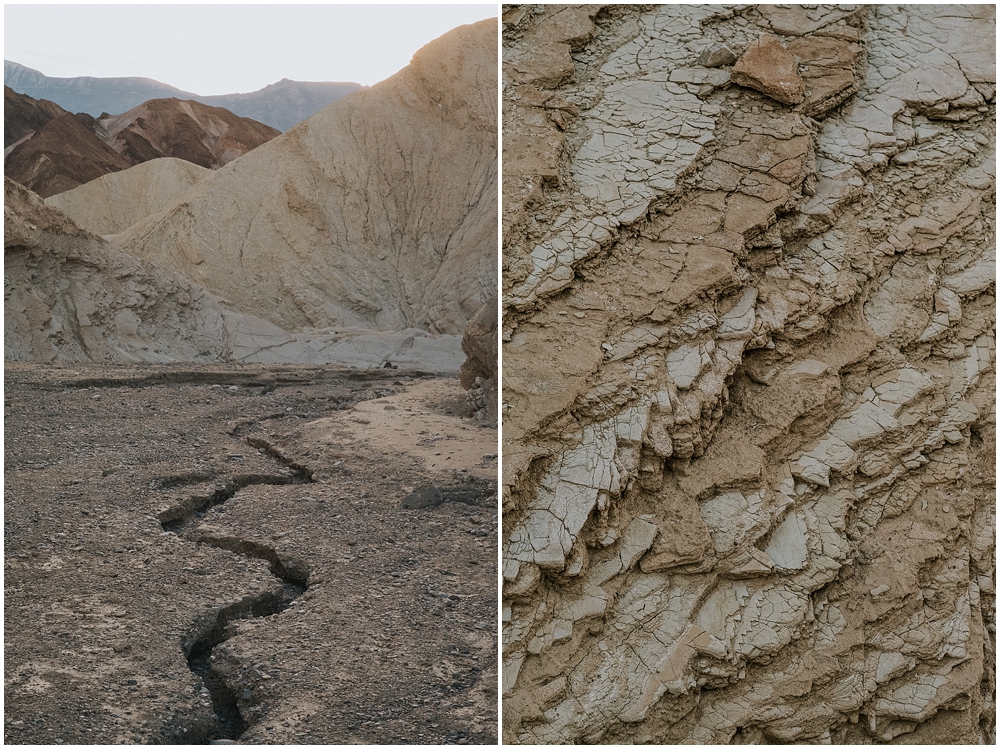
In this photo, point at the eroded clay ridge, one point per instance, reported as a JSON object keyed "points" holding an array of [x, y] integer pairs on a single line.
{"points": [[213, 629], [749, 356], [378, 212]]}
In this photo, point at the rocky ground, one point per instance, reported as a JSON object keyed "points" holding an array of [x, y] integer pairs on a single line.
{"points": [[198, 553]]}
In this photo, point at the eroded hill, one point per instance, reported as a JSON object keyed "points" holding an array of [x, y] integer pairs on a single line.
{"points": [[379, 212]]}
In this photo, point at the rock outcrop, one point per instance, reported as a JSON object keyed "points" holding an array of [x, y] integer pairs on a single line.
{"points": [[379, 212], [749, 376], [70, 296], [478, 374]]}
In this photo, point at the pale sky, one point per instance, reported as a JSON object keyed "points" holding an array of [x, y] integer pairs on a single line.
{"points": [[225, 49]]}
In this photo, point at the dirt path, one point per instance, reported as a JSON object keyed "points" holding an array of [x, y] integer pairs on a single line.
{"points": [[162, 524]]}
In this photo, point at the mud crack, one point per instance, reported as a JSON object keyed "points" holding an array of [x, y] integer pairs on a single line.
{"points": [[214, 628]]}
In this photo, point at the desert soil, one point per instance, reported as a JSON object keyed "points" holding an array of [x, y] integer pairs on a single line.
{"points": [[208, 553]]}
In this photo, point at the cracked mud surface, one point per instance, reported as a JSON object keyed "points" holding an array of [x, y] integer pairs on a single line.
{"points": [[161, 522], [749, 374]]}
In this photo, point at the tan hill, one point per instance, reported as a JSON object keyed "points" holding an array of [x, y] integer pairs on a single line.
{"points": [[71, 296], [22, 115], [210, 137], [379, 212], [62, 154], [68, 295], [116, 201]]}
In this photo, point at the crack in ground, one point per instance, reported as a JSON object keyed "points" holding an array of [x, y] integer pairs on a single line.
{"points": [[213, 629], [310, 376]]}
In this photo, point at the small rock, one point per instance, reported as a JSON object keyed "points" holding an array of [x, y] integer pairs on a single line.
{"points": [[717, 56], [429, 496], [768, 67]]}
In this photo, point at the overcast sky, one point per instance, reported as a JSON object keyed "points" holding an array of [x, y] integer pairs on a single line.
{"points": [[224, 49]]}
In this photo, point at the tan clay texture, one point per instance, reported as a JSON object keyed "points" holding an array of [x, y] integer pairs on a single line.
{"points": [[748, 390]]}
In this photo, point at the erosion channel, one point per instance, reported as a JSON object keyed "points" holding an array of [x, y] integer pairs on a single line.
{"points": [[224, 554]]}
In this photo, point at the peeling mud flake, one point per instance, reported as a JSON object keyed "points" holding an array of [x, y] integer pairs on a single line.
{"points": [[749, 375]]}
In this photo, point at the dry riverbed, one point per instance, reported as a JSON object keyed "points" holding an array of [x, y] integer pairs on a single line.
{"points": [[197, 553]]}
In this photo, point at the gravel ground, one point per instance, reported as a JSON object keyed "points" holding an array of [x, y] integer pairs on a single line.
{"points": [[198, 554]]}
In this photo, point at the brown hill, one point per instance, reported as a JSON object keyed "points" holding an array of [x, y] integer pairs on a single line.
{"points": [[116, 201], [61, 154], [55, 151], [22, 115], [378, 212], [207, 136]]}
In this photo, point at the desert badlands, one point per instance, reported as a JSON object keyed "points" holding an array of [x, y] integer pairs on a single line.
{"points": [[744, 490], [234, 362]]}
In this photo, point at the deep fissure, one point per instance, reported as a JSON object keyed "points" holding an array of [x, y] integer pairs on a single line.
{"points": [[226, 701]]}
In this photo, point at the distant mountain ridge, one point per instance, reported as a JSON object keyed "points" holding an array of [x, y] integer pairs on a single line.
{"points": [[281, 105]]}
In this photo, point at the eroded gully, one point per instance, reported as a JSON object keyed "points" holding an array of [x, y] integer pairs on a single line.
{"points": [[213, 629]]}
